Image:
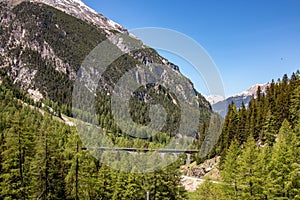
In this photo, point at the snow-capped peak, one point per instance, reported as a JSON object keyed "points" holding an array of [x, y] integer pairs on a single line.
{"points": [[79, 9], [252, 91], [213, 99]]}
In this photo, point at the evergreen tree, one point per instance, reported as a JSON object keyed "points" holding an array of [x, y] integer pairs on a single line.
{"points": [[106, 181], [248, 172], [281, 167], [241, 134], [81, 179], [295, 106], [16, 157], [46, 169], [164, 184], [230, 169], [211, 191]]}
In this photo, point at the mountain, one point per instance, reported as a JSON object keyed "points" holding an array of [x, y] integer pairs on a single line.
{"points": [[220, 106], [79, 10], [43, 45], [213, 99]]}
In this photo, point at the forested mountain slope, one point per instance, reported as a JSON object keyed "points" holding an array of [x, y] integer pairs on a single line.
{"points": [[42, 158], [264, 115], [260, 147], [42, 49]]}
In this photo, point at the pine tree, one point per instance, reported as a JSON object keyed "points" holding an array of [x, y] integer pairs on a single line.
{"points": [[47, 167], [230, 169], [241, 134], [81, 180], [230, 129], [268, 129], [106, 180], [16, 157], [281, 167], [248, 172], [164, 184], [128, 186], [261, 171], [211, 191], [295, 106], [40, 165]]}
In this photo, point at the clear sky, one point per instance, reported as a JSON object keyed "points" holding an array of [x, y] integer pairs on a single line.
{"points": [[251, 41]]}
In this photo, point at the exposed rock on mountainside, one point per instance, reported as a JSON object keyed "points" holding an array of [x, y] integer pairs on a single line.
{"points": [[199, 171], [194, 175], [44, 43], [79, 10], [58, 41]]}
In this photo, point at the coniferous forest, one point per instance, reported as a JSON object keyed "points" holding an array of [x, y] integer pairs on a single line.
{"points": [[43, 157], [260, 147]]}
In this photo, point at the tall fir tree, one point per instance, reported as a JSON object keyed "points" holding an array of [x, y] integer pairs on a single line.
{"points": [[248, 172], [281, 167], [230, 168]]}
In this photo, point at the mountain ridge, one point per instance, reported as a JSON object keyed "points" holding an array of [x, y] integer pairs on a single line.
{"points": [[220, 105], [43, 48], [80, 10]]}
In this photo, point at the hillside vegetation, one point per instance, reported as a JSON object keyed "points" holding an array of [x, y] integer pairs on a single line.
{"points": [[260, 147]]}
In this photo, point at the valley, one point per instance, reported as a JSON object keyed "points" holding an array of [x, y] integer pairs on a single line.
{"points": [[64, 135]]}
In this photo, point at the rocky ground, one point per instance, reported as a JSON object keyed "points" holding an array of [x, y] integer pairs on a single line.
{"points": [[194, 175]]}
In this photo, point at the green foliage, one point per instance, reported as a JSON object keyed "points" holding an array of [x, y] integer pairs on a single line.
{"points": [[249, 171], [209, 191], [230, 168], [42, 158], [264, 115], [283, 165], [266, 166], [263, 173]]}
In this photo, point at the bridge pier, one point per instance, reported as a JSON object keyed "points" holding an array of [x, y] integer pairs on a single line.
{"points": [[162, 155], [188, 159]]}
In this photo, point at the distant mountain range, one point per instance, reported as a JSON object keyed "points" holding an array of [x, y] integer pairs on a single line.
{"points": [[220, 105]]}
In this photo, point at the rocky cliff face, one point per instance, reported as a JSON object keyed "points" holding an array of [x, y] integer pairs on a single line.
{"points": [[43, 43], [37, 47]]}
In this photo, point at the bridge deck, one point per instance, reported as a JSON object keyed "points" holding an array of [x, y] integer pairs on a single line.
{"points": [[189, 151]]}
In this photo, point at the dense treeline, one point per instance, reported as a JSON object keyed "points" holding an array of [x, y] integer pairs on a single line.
{"points": [[43, 158], [264, 115], [260, 147]]}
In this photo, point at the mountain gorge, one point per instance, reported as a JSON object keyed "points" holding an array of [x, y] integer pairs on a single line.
{"points": [[43, 49]]}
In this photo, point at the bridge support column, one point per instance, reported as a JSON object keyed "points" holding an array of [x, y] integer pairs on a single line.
{"points": [[188, 158], [162, 155]]}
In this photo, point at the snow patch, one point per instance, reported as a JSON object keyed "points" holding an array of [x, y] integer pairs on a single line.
{"points": [[215, 98], [252, 91]]}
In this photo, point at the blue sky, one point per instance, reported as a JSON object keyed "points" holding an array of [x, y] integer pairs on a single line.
{"points": [[250, 41]]}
